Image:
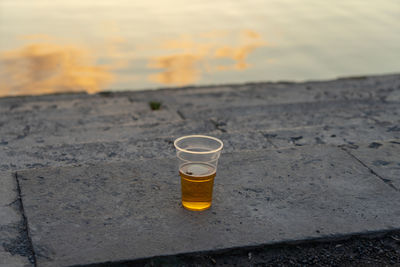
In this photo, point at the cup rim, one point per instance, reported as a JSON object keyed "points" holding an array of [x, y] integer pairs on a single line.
{"points": [[198, 152]]}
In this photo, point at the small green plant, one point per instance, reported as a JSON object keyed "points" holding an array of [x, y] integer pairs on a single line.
{"points": [[155, 105]]}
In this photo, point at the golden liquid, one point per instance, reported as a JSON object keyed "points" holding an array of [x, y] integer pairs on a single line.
{"points": [[197, 180]]}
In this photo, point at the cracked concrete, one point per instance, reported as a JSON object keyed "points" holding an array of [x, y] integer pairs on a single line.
{"points": [[14, 250], [381, 158], [268, 127]]}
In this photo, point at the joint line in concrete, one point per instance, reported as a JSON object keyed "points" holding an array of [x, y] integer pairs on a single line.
{"points": [[386, 181], [180, 114], [25, 220]]}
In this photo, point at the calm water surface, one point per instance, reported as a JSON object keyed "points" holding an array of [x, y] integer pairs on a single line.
{"points": [[59, 45]]}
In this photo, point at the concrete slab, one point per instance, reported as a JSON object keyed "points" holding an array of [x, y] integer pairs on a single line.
{"points": [[345, 133], [283, 93], [372, 87], [125, 211], [20, 126], [83, 134], [90, 104], [132, 149], [280, 116], [383, 158], [153, 143], [377, 87], [14, 101]]}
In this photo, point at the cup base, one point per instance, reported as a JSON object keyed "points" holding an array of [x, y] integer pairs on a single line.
{"points": [[196, 206]]}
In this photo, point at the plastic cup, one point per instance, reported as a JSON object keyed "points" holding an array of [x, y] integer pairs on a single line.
{"points": [[198, 158]]}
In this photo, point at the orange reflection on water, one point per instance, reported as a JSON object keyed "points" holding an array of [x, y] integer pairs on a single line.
{"points": [[180, 69], [42, 68], [197, 57]]}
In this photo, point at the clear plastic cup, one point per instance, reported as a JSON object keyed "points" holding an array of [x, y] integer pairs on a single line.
{"points": [[198, 158]]}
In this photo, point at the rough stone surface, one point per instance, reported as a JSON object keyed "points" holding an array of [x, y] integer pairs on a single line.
{"points": [[13, 251], [267, 117], [134, 148], [8, 260], [356, 114], [330, 134], [123, 211], [7, 188], [9, 213], [103, 134], [383, 158]]}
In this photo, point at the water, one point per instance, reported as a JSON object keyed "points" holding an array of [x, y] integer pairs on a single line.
{"points": [[58, 45]]}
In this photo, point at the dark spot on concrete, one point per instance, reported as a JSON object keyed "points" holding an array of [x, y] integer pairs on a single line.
{"points": [[395, 142], [266, 135], [394, 129], [374, 145], [112, 154], [3, 143], [319, 141], [106, 94], [4, 167], [333, 135], [386, 180], [13, 106], [21, 244], [293, 139], [134, 118], [380, 163], [169, 141], [155, 187], [25, 132], [219, 124]]}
